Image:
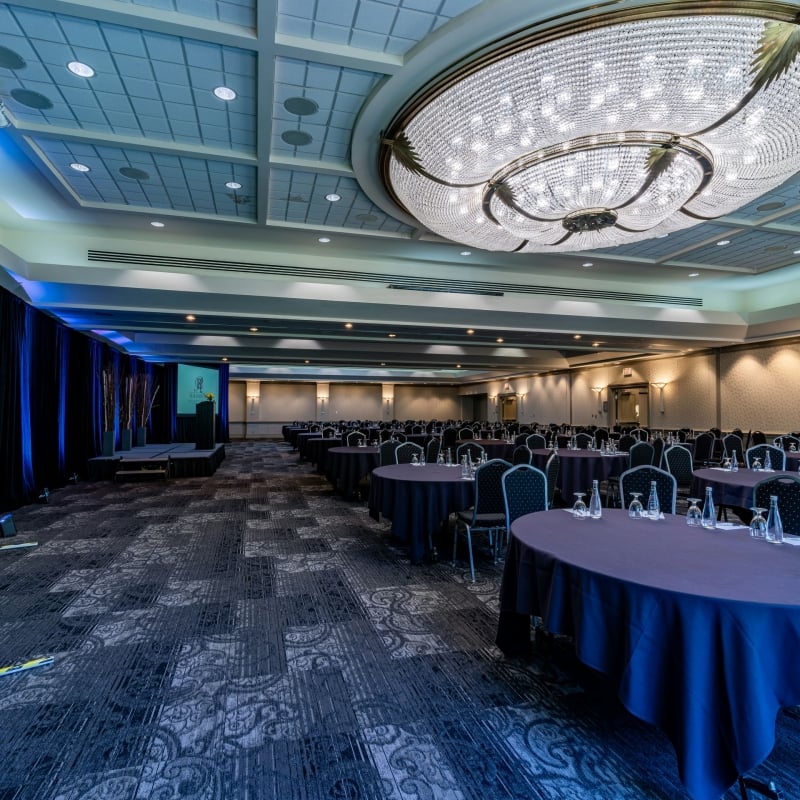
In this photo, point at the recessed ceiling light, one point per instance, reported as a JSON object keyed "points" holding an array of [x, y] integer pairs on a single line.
{"points": [[458, 366], [662, 236], [348, 324], [323, 239], [224, 93], [156, 224], [297, 138], [587, 264], [466, 252], [78, 167], [595, 344], [190, 317], [224, 358], [301, 106], [723, 242], [306, 361], [233, 185], [500, 339], [80, 69], [576, 336], [383, 363], [332, 197], [796, 252], [392, 335], [470, 331], [694, 274], [253, 330]]}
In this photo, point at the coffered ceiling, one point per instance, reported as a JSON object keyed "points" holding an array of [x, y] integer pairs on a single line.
{"points": [[135, 197]]}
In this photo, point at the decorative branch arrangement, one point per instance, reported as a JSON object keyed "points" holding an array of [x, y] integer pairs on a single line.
{"points": [[145, 397], [109, 384], [126, 398]]}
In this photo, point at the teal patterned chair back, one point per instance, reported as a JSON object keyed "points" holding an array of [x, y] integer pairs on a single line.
{"points": [[432, 449], [354, 438], [641, 454], [678, 461], [536, 441], [474, 450], [787, 489], [522, 455], [777, 456], [583, 440], [387, 453], [524, 491], [638, 480], [405, 452], [489, 487]]}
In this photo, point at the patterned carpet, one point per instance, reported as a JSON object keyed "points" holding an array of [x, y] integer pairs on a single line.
{"points": [[251, 635]]}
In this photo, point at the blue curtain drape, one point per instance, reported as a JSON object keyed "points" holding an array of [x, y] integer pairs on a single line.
{"points": [[223, 432]]}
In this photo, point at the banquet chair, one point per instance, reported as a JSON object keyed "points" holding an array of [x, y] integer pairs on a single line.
{"points": [[704, 450], [678, 462], [500, 433], [583, 440], [536, 441], [449, 437], [638, 480], [520, 438], [432, 450], [328, 432], [474, 450], [658, 452], [524, 492], [777, 456], [386, 453], [487, 514], [399, 436], [466, 433], [600, 436], [522, 455], [758, 437], [417, 429], [551, 471], [787, 489], [640, 455], [405, 452], [355, 438], [384, 434], [642, 434], [626, 441], [788, 441], [733, 442]]}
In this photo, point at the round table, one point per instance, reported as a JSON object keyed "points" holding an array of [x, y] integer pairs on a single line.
{"points": [[418, 499], [729, 488], [578, 468], [699, 630], [346, 466]]}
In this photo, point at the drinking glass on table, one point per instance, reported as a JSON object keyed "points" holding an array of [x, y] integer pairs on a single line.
{"points": [[636, 509], [693, 515], [758, 525], [579, 510]]}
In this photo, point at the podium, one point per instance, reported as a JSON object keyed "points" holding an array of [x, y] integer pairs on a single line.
{"points": [[204, 425]]}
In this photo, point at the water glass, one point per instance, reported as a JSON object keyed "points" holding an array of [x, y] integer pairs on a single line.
{"points": [[758, 525], [636, 509], [694, 515], [579, 510]]}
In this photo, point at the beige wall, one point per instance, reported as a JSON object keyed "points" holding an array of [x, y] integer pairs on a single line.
{"points": [[751, 388]]}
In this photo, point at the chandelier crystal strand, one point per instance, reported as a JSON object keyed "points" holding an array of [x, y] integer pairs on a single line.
{"points": [[563, 145]]}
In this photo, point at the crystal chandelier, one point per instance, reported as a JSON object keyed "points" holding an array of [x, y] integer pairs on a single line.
{"points": [[603, 132]]}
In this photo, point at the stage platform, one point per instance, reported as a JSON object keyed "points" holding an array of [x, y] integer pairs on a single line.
{"points": [[185, 461]]}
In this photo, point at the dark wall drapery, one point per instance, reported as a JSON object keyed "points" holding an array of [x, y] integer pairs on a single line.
{"points": [[51, 400]]}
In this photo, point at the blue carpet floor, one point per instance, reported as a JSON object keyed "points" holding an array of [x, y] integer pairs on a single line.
{"points": [[251, 635]]}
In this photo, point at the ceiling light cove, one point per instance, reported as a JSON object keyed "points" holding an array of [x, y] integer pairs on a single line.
{"points": [[530, 149]]}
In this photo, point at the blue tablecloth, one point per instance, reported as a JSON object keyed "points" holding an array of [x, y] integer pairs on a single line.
{"points": [[729, 488], [346, 466], [418, 500], [578, 468], [699, 630]]}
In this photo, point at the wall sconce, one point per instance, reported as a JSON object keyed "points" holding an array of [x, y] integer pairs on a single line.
{"points": [[252, 399], [599, 391], [660, 385]]}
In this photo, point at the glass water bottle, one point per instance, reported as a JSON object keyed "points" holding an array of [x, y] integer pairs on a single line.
{"points": [[595, 509], [653, 508], [709, 518], [774, 524]]}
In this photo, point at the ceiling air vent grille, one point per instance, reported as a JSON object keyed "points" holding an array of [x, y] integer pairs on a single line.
{"points": [[404, 282]]}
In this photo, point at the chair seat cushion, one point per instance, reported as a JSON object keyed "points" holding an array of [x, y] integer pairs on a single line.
{"points": [[481, 520]]}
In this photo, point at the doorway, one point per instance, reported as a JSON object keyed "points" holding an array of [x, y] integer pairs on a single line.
{"points": [[631, 405], [508, 408]]}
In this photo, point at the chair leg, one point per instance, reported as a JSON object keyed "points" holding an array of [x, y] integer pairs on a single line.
{"points": [[455, 543], [469, 550], [768, 790]]}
